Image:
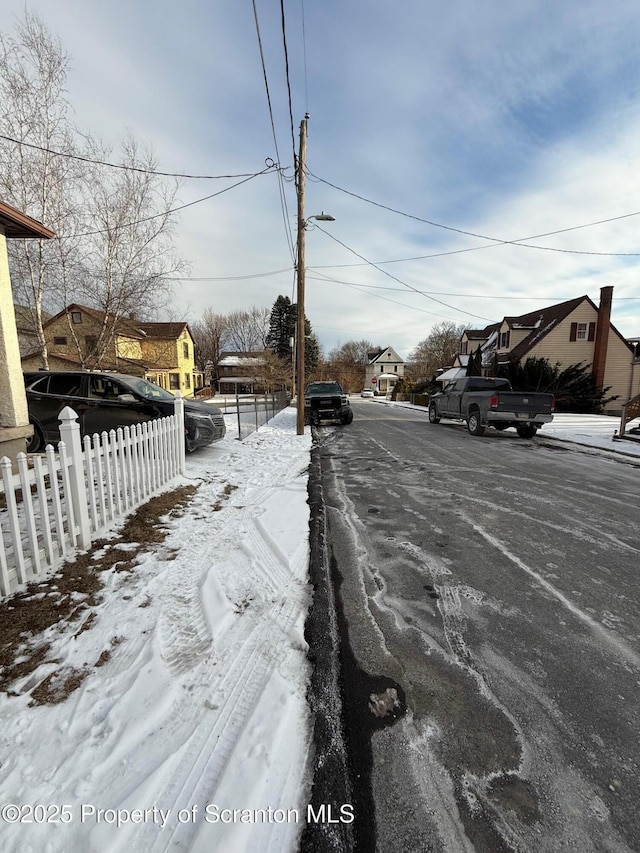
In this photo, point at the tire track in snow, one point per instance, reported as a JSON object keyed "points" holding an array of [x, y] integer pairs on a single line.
{"points": [[611, 639]]}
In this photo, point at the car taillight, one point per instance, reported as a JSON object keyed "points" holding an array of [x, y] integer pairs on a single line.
{"points": [[553, 404], [493, 402]]}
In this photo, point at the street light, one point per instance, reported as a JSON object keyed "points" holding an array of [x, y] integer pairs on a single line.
{"points": [[302, 227], [303, 224]]}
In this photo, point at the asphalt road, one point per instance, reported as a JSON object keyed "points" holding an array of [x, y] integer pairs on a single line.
{"points": [[488, 607]]}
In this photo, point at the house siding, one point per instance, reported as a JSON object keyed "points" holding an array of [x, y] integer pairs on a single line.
{"points": [[557, 346]]}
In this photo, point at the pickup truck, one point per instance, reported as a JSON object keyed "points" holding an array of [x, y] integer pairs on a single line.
{"points": [[326, 401], [490, 402]]}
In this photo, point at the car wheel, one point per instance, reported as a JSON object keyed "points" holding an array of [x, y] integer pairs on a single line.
{"points": [[527, 431], [35, 442], [434, 418], [474, 423]]}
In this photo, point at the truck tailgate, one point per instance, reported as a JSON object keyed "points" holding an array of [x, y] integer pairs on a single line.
{"points": [[523, 404]]}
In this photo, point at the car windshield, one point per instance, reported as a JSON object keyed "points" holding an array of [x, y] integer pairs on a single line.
{"points": [[324, 388], [146, 389]]}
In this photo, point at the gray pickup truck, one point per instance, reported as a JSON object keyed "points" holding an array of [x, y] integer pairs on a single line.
{"points": [[489, 402]]}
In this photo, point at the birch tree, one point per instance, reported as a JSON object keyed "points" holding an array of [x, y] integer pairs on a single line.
{"points": [[35, 110]]}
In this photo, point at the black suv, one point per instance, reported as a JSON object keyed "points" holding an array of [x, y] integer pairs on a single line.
{"points": [[106, 401], [326, 401]]}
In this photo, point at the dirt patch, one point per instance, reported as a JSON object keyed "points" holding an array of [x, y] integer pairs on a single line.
{"points": [[65, 601]]}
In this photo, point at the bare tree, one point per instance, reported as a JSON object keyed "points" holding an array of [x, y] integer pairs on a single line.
{"points": [[247, 331], [208, 336], [353, 352], [437, 350], [33, 71], [127, 242]]}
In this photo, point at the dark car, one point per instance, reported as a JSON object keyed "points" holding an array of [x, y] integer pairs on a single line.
{"points": [[106, 401], [326, 401]]}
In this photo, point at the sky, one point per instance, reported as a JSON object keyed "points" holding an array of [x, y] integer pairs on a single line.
{"points": [[199, 705], [429, 123]]}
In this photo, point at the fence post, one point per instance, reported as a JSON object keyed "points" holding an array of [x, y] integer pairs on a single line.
{"points": [[180, 433], [70, 434], [238, 415]]}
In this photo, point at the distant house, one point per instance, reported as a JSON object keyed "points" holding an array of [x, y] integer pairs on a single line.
{"points": [[566, 333], [27, 336], [384, 368], [240, 372], [14, 415], [160, 352]]}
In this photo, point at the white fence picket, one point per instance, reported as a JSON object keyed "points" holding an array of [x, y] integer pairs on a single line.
{"points": [[68, 498]]}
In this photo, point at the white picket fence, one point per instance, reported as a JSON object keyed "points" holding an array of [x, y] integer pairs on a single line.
{"points": [[65, 499]]}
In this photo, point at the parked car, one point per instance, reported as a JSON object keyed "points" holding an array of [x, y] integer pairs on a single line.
{"points": [[366, 392], [326, 401], [489, 402], [106, 401]]}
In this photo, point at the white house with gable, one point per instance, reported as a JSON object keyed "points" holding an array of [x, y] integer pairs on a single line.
{"points": [[384, 368]]}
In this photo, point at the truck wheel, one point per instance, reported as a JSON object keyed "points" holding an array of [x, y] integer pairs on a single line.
{"points": [[474, 424], [527, 431], [347, 418], [434, 417]]}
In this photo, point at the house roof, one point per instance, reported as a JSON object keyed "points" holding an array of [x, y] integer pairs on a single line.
{"points": [[169, 331], [374, 355], [125, 326], [541, 322], [452, 373], [17, 224]]}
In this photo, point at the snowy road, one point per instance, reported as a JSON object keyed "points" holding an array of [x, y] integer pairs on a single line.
{"points": [[489, 593]]}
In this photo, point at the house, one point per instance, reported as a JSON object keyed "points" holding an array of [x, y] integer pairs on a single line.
{"points": [[566, 333], [80, 336], [14, 415], [240, 372], [27, 335], [168, 350], [383, 369]]}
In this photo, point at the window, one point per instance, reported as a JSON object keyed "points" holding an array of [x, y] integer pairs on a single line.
{"points": [[187, 380], [90, 343], [76, 317], [174, 381], [582, 332], [185, 350], [60, 341], [395, 367], [63, 385], [504, 340], [463, 347]]}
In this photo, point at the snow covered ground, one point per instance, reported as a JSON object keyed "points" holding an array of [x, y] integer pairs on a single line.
{"points": [[189, 728]]}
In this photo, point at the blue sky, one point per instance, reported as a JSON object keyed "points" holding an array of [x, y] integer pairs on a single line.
{"points": [[506, 120]]}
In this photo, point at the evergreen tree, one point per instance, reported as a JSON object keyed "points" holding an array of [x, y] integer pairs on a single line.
{"points": [[474, 365], [281, 327], [574, 387]]}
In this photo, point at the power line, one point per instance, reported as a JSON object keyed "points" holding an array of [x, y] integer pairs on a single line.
{"points": [[494, 240], [283, 201], [286, 66], [304, 55], [165, 212], [328, 278], [324, 277], [399, 280], [120, 165]]}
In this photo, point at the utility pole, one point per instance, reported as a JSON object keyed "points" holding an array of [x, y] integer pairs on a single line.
{"points": [[300, 180]]}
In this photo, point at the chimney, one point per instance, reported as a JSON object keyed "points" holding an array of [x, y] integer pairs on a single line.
{"points": [[602, 335]]}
